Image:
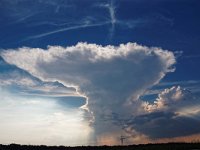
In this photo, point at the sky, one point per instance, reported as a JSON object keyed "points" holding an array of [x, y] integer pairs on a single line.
{"points": [[87, 72]]}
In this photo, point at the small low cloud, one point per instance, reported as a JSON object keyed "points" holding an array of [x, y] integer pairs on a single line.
{"points": [[172, 98]]}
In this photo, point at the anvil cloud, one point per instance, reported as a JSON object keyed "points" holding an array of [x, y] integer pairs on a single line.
{"points": [[112, 78]]}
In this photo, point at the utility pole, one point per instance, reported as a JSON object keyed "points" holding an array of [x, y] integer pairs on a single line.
{"points": [[122, 138]]}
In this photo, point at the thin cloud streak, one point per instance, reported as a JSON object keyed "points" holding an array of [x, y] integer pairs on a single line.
{"points": [[113, 20], [191, 56], [111, 8], [66, 29], [24, 18], [179, 83], [85, 23]]}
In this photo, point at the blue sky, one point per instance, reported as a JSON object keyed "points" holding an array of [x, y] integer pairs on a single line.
{"points": [[55, 60]]}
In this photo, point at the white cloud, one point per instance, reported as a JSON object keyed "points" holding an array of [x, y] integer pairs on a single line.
{"points": [[83, 25], [14, 78], [173, 99], [112, 17], [85, 20], [25, 84], [112, 77]]}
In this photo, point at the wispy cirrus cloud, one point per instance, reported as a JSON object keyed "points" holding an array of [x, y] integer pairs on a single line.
{"points": [[87, 21], [111, 8], [84, 25], [63, 17]]}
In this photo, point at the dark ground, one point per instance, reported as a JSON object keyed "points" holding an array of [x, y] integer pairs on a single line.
{"points": [[168, 146]]}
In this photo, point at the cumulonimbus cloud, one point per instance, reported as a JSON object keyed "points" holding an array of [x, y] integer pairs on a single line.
{"points": [[112, 78]]}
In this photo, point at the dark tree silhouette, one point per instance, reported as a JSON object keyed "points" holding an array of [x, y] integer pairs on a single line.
{"points": [[168, 146]]}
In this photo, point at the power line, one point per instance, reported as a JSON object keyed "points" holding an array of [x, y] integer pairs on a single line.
{"points": [[122, 138]]}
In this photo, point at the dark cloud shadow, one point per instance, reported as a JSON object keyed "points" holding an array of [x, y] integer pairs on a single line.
{"points": [[71, 101], [165, 125]]}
